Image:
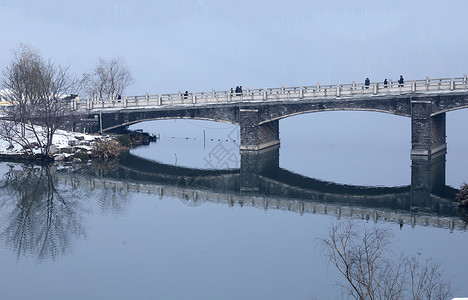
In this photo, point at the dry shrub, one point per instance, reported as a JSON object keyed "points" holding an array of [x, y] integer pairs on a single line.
{"points": [[462, 196], [107, 149]]}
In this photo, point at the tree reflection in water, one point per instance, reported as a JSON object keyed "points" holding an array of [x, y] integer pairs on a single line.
{"points": [[41, 215]]}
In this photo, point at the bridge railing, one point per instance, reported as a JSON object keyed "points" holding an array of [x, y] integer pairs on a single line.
{"points": [[344, 91]]}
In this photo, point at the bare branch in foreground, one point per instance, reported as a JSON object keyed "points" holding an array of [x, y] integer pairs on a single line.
{"points": [[364, 258]]}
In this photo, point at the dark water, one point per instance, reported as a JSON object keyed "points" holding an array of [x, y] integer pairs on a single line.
{"points": [[189, 217]]}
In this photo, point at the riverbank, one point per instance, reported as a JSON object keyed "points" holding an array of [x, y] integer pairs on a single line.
{"points": [[66, 146], [77, 147]]}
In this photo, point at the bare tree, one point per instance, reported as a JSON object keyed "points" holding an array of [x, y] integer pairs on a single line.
{"points": [[110, 78], [363, 258], [35, 89]]}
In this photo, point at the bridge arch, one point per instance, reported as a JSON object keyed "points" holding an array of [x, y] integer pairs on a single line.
{"points": [[110, 120], [449, 109], [126, 124], [347, 143], [292, 114]]}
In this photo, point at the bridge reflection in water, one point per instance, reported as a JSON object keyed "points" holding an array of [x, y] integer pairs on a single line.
{"points": [[261, 183]]}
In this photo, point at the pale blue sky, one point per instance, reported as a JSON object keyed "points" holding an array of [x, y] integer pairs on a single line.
{"points": [[200, 45]]}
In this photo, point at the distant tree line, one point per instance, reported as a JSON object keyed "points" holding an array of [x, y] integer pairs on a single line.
{"points": [[37, 91]]}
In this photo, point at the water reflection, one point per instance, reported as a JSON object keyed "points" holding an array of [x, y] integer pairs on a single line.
{"points": [[40, 218], [260, 182], [44, 205], [109, 198]]}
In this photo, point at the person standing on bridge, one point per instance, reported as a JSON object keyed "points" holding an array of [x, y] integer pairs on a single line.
{"points": [[238, 90], [385, 83], [367, 82], [401, 81]]}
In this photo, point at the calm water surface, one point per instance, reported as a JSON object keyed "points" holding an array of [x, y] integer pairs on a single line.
{"points": [[168, 230]]}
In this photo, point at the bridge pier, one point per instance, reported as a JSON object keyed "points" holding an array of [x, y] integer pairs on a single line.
{"points": [[255, 136], [427, 132], [255, 163]]}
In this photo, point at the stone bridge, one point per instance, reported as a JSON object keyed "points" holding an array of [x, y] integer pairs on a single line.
{"points": [[258, 111], [261, 183]]}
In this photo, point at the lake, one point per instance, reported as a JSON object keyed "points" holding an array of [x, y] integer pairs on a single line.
{"points": [[189, 217]]}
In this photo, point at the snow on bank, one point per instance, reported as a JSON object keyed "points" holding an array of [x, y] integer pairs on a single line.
{"points": [[62, 141]]}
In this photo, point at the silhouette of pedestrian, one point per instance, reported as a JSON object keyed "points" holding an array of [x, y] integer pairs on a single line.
{"points": [[186, 95], [232, 91], [401, 81], [366, 83], [385, 83], [240, 89], [237, 91]]}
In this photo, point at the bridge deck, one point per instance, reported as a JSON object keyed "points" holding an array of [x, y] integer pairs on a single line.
{"points": [[352, 90]]}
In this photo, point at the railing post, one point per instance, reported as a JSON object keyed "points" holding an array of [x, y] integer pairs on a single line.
{"points": [[413, 86], [452, 84], [159, 100], [428, 80], [147, 97], [301, 92], [376, 88], [465, 80], [125, 101], [338, 90], [213, 92], [264, 94], [194, 98]]}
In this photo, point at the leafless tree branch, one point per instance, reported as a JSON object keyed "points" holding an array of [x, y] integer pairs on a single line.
{"points": [[35, 89], [364, 258], [109, 79]]}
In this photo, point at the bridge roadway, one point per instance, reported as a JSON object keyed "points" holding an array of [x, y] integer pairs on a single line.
{"points": [[258, 111], [279, 189]]}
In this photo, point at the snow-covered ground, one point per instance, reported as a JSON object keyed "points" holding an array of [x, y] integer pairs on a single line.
{"points": [[62, 140]]}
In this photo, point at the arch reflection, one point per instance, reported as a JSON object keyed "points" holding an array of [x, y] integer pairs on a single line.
{"points": [[42, 206]]}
